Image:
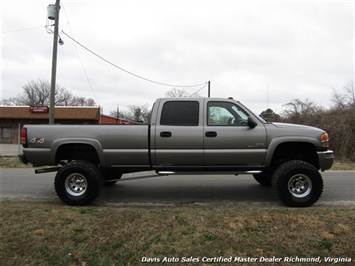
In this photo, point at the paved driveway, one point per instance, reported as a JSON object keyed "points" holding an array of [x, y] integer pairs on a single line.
{"points": [[10, 149], [148, 188]]}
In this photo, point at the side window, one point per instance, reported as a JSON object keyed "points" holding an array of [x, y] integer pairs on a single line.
{"points": [[180, 113], [225, 114]]}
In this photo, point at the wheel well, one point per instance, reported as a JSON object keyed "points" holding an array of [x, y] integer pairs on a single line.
{"points": [[295, 151], [70, 152]]}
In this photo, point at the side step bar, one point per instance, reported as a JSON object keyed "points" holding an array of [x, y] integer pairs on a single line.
{"points": [[162, 172]]}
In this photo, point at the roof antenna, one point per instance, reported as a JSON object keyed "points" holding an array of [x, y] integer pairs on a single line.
{"points": [[267, 96]]}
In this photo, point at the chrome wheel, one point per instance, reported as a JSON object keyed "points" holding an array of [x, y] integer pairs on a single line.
{"points": [[300, 186], [297, 183], [76, 184]]}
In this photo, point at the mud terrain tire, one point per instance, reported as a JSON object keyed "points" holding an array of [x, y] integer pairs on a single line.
{"points": [[78, 183], [297, 183]]}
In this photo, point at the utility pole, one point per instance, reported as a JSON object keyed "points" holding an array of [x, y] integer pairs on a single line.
{"points": [[54, 64], [118, 114], [209, 89]]}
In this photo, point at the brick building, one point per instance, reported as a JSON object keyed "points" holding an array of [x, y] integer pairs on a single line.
{"points": [[109, 120], [12, 118]]}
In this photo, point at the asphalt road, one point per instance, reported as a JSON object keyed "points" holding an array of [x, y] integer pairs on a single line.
{"points": [[148, 188]]}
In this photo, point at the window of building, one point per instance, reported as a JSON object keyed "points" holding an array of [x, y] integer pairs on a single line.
{"points": [[6, 133]]}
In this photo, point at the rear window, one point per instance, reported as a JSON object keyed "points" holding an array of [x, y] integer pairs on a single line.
{"points": [[180, 113]]}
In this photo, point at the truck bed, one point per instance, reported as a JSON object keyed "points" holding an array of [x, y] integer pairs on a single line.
{"points": [[115, 144]]}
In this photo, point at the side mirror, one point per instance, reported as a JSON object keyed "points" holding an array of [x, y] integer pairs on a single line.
{"points": [[251, 122]]}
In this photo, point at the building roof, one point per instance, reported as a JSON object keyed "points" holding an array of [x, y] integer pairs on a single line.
{"points": [[61, 112]]}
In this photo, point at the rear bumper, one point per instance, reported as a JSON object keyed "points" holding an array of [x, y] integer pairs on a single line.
{"points": [[326, 159], [36, 156], [23, 158]]}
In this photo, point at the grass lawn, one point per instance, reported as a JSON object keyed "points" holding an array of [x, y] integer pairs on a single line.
{"points": [[47, 233], [34, 233]]}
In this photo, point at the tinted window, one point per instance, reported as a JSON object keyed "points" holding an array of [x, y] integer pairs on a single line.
{"points": [[180, 113]]}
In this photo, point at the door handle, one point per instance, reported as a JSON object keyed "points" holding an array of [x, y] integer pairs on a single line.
{"points": [[211, 134], [165, 134]]}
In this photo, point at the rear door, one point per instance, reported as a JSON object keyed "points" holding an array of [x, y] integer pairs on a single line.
{"points": [[228, 140], [178, 135]]}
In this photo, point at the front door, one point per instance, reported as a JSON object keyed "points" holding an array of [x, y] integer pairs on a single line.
{"points": [[228, 140]]}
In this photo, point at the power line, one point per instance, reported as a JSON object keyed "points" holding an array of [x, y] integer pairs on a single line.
{"points": [[81, 63], [198, 90], [129, 72], [34, 28]]}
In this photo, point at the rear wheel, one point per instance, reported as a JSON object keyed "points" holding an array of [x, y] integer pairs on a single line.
{"points": [[78, 183], [297, 183]]}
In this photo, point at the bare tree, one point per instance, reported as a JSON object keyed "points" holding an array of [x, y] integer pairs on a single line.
{"points": [[90, 102], [301, 112], [13, 101], [135, 113], [345, 100], [82, 101], [338, 121], [37, 93], [180, 93]]}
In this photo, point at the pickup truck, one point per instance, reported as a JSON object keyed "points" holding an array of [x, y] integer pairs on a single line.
{"points": [[186, 135]]}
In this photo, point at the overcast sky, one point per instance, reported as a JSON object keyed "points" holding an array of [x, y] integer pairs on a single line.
{"points": [[263, 53]]}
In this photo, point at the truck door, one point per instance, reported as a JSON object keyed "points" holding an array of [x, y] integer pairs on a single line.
{"points": [[228, 140], [178, 139]]}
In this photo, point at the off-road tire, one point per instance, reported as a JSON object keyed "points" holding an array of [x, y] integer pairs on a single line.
{"points": [[297, 183], [78, 183]]}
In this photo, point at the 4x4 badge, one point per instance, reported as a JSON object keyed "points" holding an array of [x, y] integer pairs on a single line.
{"points": [[37, 140]]}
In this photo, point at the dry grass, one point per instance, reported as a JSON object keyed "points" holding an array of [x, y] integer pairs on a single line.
{"points": [[12, 162], [343, 166], [54, 234]]}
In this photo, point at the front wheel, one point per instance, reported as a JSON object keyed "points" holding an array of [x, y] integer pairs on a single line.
{"points": [[297, 183], [78, 183]]}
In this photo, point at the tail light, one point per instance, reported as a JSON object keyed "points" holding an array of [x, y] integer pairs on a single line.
{"points": [[24, 137]]}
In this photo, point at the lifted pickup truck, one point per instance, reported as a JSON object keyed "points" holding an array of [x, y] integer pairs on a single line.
{"points": [[186, 135]]}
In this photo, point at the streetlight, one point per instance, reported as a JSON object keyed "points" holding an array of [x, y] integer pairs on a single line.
{"points": [[53, 14]]}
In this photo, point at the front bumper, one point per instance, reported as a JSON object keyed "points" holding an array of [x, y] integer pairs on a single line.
{"points": [[326, 159]]}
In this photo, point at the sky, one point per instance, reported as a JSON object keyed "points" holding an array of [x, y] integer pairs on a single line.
{"points": [[262, 53]]}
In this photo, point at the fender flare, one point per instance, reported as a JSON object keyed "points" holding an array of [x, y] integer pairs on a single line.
{"points": [[65, 141], [275, 142]]}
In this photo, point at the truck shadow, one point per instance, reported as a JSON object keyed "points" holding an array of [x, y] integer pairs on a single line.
{"points": [[182, 189]]}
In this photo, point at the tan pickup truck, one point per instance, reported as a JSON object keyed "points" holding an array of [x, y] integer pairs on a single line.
{"points": [[192, 135]]}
